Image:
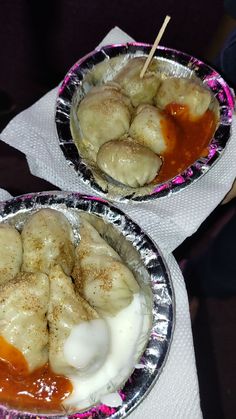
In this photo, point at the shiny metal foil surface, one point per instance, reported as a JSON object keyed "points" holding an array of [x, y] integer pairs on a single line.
{"points": [[80, 79], [145, 260]]}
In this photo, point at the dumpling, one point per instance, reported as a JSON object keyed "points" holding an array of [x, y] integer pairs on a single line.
{"points": [[47, 240], [102, 279], [128, 162], [107, 284], [92, 242], [10, 252], [139, 90], [186, 92], [78, 338], [104, 114], [23, 322], [153, 129]]}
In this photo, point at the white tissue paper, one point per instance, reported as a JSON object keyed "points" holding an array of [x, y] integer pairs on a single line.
{"points": [[168, 221], [4, 195]]}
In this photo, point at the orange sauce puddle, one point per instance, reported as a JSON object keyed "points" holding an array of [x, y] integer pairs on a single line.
{"points": [[41, 390], [191, 139]]}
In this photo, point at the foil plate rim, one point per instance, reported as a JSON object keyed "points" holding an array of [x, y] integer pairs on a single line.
{"points": [[161, 283], [207, 74]]}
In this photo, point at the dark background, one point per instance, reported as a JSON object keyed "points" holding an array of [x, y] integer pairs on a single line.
{"points": [[39, 42]]}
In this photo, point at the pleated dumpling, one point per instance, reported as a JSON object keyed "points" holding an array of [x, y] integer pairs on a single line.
{"points": [[154, 129], [185, 92], [102, 278], [72, 325], [10, 252], [128, 162], [104, 114], [91, 242], [47, 240], [23, 321], [139, 90]]}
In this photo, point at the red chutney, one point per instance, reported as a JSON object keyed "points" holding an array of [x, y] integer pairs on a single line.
{"points": [[192, 137], [40, 390]]}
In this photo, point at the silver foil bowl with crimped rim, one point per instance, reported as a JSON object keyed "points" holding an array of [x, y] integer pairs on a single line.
{"points": [[173, 63], [143, 257]]}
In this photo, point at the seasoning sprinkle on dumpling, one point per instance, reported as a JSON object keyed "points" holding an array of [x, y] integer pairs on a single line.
{"points": [[104, 114], [100, 277], [149, 128], [10, 252], [128, 162], [139, 90], [23, 323], [48, 240], [68, 314], [183, 91]]}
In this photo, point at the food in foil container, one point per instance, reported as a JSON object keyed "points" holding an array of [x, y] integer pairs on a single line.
{"points": [[69, 301], [168, 121], [139, 138], [128, 162], [11, 252]]}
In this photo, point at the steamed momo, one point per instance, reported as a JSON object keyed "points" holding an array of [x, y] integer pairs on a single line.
{"points": [[102, 279], [104, 114], [67, 311], [148, 128], [184, 92], [23, 323], [128, 162], [92, 242], [47, 240], [10, 252], [139, 90]]}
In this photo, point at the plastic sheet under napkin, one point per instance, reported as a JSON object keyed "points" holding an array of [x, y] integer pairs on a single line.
{"points": [[168, 221]]}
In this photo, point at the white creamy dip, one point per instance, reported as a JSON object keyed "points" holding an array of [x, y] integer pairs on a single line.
{"points": [[87, 346], [117, 358]]}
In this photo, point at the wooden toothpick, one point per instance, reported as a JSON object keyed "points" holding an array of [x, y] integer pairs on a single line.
{"points": [[154, 47]]}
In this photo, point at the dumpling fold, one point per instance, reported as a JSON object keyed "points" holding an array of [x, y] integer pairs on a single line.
{"points": [[104, 114], [128, 162], [153, 129], [139, 90], [23, 321], [47, 241], [10, 252], [186, 92], [67, 309], [100, 276]]}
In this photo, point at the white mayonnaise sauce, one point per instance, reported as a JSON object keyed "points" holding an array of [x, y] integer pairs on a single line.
{"points": [[127, 336], [112, 399], [87, 346]]}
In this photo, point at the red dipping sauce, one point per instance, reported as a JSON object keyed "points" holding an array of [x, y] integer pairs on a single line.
{"points": [[192, 137], [41, 390]]}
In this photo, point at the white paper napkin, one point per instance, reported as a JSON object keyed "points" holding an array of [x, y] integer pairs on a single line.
{"points": [[4, 195], [175, 394], [168, 221]]}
